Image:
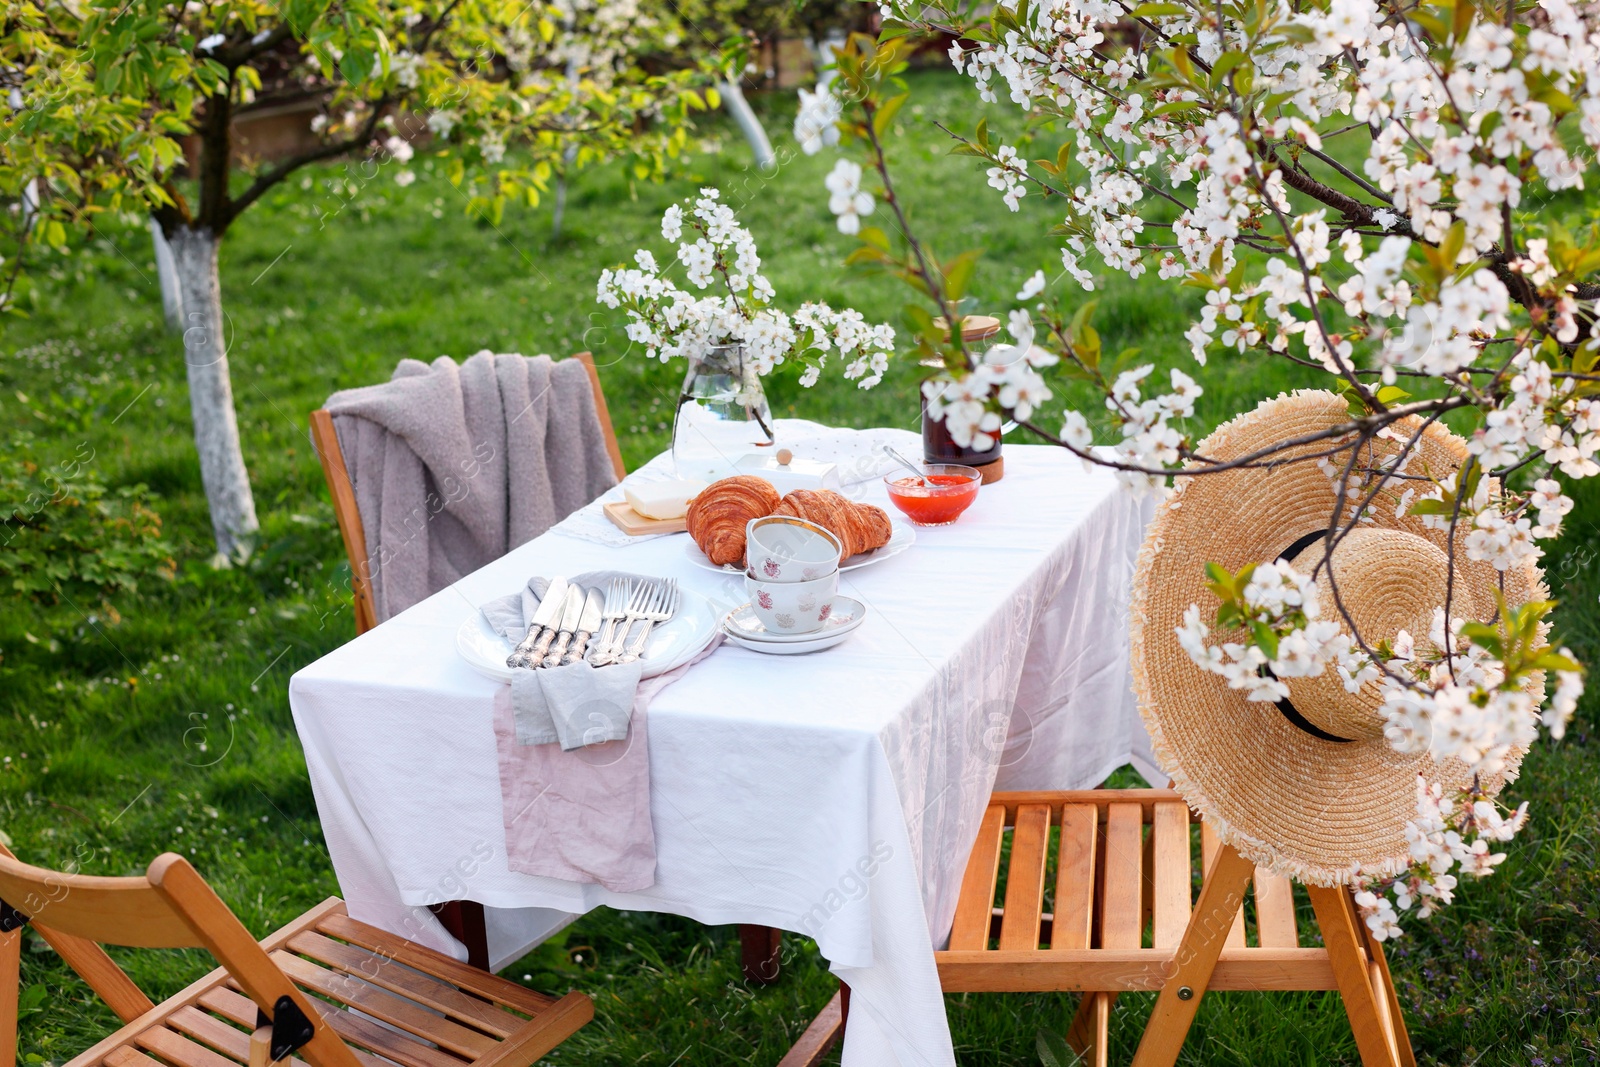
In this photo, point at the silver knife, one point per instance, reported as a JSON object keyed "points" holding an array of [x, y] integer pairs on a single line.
{"points": [[587, 625], [545, 615], [571, 612]]}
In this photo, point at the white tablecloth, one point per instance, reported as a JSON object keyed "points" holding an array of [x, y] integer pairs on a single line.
{"points": [[835, 794]]}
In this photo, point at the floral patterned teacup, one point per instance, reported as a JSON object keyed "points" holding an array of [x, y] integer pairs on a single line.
{"points": [[792, 607], [782, 548]]}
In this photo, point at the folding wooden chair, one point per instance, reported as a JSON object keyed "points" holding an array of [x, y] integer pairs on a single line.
{"points": [[344, 494], [1121, 919], [464, 919], [338, 992]]}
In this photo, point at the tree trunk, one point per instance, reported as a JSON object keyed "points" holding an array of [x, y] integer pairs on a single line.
{"points": [[167, 273], [733, 100], [216, 429], [561, 192]]}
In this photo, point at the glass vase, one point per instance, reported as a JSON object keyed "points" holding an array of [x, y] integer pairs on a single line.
{"points": [[722, 415]]}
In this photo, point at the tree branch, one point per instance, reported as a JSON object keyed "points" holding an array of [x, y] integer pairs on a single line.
{"points": [[273, 175]]}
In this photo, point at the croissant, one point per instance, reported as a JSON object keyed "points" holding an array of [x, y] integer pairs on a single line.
{"points": [[717, 517], [859, 527]]}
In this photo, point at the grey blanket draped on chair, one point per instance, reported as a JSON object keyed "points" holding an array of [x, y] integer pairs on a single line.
{"points": [[454, 466]]}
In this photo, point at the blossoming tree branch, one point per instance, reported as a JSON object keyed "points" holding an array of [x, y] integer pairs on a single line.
{"points": [[104, 91], [1353, 188]]}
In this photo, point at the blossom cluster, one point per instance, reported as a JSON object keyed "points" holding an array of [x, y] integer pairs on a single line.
{"points": [[1419, 262], [1450, 698], [669, 321], [1006, 381]]}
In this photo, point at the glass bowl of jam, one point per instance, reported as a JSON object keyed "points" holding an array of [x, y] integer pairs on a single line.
{"points": [[938, 496]]}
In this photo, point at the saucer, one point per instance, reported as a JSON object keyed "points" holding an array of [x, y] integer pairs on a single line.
{"points": [[745, 630]]}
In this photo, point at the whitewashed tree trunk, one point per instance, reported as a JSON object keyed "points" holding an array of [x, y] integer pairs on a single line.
{"points": [[167, 274], [561, 192], [737, 106], [216, 428]]}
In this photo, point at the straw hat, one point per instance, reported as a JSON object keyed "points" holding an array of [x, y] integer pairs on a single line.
{"points": [[1307, 787]]}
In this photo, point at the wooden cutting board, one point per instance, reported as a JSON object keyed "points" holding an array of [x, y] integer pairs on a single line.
{"points": [[634, 524]]}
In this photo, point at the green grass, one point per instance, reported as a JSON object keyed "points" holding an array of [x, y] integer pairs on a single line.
{"points": [[169, 728]]}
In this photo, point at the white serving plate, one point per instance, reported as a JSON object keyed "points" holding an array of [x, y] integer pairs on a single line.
{"points": [[672, 644], [745, 630], [901, 537]]}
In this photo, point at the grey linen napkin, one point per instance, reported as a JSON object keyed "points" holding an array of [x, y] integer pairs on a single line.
{"points": [[573, 705]]}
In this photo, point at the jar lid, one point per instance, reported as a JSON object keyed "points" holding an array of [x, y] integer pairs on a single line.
{"points": [[973, 327]]}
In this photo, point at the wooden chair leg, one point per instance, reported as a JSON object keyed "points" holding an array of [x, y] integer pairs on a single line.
{"points": [[1090, 1033], [761, 948], [1385, 981], [10, 977], [823, 1033], [464, 921], [1214, 914], [1360, 978], [261, 1047]]}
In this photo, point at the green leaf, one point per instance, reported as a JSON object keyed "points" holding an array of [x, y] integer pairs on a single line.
{"points": [[958, 273], [1392, 394], [1265, 638], [874, 236], [1225, 63], [1052, 1048], [1158, 10], [981, 134], [1431, 507], [886, 113]]}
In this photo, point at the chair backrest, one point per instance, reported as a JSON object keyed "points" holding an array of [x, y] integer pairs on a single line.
{"points": [[349, 516], [170, 906]]}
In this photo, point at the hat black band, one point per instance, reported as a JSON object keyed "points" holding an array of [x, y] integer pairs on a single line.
{"points": [[1285, 705]]}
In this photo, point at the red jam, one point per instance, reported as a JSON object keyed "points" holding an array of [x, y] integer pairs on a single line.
{"points": [[934, 499]]}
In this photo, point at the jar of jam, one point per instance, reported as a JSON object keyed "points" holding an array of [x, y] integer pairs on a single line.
{"points": [[937, 444]]}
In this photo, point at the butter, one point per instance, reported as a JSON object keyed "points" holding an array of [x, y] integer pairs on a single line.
{"points": [[663, 500]]}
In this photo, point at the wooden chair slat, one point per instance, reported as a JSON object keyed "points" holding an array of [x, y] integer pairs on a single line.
{"points": [[1121, 908], [357, 1030], [127, 1057], [179, 1050], [111, 911], [1210, 844], [396, 1011], [976, 902], [210, 1030], [1169, 830], [563, 1019], [1030, 848], [1072, 925], [463, 976], [397, 978], [1275, 920]]}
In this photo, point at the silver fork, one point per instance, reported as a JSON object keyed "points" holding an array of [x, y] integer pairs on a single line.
{"points": [[639, 599], [663, 609], [618, 591]]}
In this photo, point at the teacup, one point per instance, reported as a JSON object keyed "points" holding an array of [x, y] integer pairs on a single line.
{"points": [[792, 607], [782, 548]]}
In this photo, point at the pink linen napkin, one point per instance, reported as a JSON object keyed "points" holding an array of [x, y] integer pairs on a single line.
{"points": [[583, 815]]}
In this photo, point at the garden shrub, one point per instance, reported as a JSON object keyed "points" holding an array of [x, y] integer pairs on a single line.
{"points": [[63, 534]]}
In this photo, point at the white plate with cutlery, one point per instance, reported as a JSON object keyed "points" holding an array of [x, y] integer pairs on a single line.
{"points": [[901, 537], [671, 644]]}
